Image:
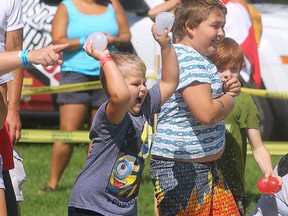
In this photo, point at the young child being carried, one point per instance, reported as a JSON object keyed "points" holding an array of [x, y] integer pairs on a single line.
{"points": [[110, 181]]}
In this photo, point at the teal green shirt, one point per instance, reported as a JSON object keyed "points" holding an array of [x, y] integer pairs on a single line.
{"points": [[232, 164], [82, 25]]}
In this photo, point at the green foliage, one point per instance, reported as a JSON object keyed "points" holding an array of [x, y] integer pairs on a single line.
{"points": [[37, 163]]}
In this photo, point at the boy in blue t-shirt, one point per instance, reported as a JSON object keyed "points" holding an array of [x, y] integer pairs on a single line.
{"points": [[110, 181]]}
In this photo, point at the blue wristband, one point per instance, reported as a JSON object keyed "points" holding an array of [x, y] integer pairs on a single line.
{"points": [[23, 54], [82, 41]]}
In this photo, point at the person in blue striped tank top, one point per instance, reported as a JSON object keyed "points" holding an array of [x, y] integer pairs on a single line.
{"points": [[73, 22], [190, 132]]}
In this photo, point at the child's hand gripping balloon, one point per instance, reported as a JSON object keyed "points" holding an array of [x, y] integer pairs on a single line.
{"points": [[269, 186], [99, 39], [91, 50], [164, 20]]}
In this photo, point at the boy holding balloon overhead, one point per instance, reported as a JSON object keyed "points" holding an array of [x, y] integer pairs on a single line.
{"points": [[110, 181], [73, 22], [242, 123], [190, 133]]}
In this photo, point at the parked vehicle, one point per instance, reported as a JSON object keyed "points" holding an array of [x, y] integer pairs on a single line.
{"points": [[35, 109], [273, 54]]}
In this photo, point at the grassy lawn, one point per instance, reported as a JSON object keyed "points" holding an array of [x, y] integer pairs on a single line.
{"points": [[36, 162]]}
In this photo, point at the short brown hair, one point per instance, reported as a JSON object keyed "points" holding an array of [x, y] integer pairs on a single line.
{"points": [[229, 54], [194, 12]]}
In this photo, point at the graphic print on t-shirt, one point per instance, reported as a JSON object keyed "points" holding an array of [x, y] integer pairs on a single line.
{"points": [[127, 171]]}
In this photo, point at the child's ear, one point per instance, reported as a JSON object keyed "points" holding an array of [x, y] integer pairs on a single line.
{"points": [[189, 29]]}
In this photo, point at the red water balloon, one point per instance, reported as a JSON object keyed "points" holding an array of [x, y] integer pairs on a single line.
{"points": [[271, 186]]}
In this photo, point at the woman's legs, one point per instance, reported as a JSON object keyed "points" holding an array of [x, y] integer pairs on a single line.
{"points": [[72, 117]]}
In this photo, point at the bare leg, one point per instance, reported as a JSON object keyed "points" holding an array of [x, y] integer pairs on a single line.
{"points": [[72, 117], [3, 211]]}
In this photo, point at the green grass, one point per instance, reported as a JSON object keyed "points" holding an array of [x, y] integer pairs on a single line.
{"points": [[36, 162]]}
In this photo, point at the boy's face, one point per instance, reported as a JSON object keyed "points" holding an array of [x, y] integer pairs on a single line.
{"points": [[136, 82], [227, 74], [208, 35]]}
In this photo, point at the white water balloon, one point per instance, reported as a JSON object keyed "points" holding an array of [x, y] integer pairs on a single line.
{"points": [[100, 40], [164, 20]]}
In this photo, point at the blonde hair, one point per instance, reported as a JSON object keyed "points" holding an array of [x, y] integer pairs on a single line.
{"points": [[229, 54], [126, 62], [194, 12]]}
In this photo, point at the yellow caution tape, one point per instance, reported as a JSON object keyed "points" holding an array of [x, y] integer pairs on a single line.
{"points": [[152, 76], [67, 87], [27, 81], [265, 93], [274, 147], [62, 88], [50, 136], [97, 84]]}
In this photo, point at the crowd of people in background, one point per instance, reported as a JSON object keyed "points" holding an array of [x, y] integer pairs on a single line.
{"points": [[203, 120]]}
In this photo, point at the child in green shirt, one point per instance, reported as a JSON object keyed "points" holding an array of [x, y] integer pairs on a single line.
{"points": [[242, 123]]}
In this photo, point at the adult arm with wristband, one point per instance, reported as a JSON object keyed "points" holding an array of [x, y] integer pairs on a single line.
{"points": [[46, 56]]}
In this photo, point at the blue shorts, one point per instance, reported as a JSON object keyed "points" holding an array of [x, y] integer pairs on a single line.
{"points": [[92, 97], [183, 188]]}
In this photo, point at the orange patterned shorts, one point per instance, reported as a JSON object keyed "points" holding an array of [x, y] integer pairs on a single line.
{"points": [[196, 189]]}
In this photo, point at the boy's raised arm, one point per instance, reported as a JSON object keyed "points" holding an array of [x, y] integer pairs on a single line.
{"points": [[113, 83], [170, 68]]}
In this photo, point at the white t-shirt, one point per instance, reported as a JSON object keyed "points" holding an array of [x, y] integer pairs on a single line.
{"points": [[2, 186], [11, 19]]}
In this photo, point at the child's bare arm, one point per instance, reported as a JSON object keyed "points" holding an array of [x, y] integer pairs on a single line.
{"points": [[3, 104], [206, 110], [260, 153], [3, 211], [170, 68], [166, 6], [113, 83]]}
